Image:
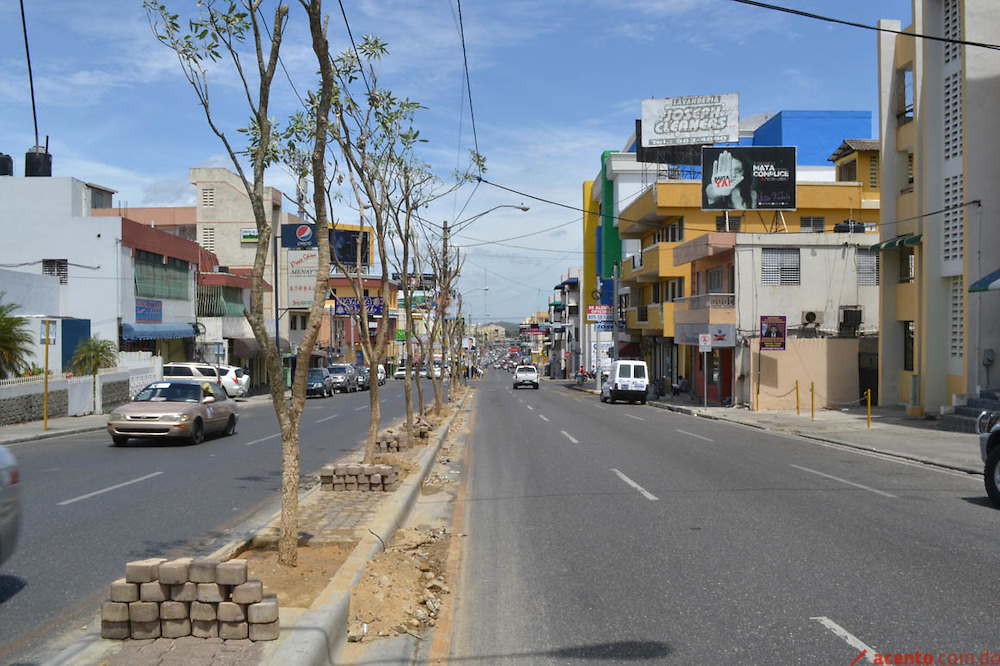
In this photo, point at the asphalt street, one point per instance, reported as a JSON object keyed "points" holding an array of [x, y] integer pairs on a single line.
{"points": [[624, 532], [90, 507]]}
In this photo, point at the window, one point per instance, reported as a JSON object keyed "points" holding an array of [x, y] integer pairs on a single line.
{"points": [[159, 278], [848, 171], [904, 96], [780, 266], [675, 289], [908, 345], [674, 232], [654, 296], [909, 169], [734, 223], [57, 267], [907, 264], [815, 225], [714, 278], [868, 268], [208, 238], [953, 229], [873, 171], [208, 197], [957, 332]]}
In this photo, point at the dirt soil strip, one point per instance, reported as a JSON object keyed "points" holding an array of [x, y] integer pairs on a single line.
{"points": [[441, 644]]}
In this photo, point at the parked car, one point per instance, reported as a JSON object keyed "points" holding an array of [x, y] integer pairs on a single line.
{"points": [[175, 408], [10, 503], [627, 380], [364, 378], [233, 379], [381, 374], [400, 373], [526, 375], [988, 428], [345, 378], [319, 382]]}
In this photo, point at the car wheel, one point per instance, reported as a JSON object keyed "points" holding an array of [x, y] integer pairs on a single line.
{"points": [[197, 432], [642, 402], [119, 440], [536, 387], [515, 387], [230, 427], [611, 397], [602, 398], [991, 476]]}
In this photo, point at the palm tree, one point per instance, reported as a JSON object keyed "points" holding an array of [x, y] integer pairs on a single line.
{"points": [[16, 342], [91, 355]]}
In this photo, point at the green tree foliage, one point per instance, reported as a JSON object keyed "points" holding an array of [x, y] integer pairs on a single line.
{"points": [[16, 343], [90, 356]]}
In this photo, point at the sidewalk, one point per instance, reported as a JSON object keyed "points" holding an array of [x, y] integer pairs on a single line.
{"points": [[892, 432]]}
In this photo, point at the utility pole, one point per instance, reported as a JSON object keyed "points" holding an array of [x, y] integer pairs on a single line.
{"points": [[614, 310]]}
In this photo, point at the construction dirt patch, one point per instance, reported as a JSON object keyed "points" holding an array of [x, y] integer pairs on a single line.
{"points": [[297, 586]]}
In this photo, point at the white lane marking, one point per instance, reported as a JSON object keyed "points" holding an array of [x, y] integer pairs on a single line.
{"points": [[108, 489], [570, 437], [542, 417], [520, 400], [327, 418], [645, 493], [637, 418], [531, 408], [358, 409], [691, 434], [850, 483], [262, 439], [850, 639]]}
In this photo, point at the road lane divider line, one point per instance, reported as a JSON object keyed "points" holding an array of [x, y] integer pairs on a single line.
{"points": [[850, 483], [531, 408], [108, 489], [542, 418], [848, 637], [570, 437], [327, 418], [637, 418], [691, 434], [642, 491], [263, 439], [358, 409]]}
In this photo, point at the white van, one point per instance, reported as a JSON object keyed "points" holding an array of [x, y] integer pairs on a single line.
{"points": [[628, 380]]}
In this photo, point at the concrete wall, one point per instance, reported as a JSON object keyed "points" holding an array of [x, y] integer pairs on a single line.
{"points": [[829, 364]]}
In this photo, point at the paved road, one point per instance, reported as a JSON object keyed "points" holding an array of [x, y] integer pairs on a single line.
{"points": [[89, 507], [624, 533]]}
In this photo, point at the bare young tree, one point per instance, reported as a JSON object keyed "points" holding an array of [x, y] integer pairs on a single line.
{"points": [[219, 33]]}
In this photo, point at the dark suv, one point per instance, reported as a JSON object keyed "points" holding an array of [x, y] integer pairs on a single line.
{"points": [[319, 382]]}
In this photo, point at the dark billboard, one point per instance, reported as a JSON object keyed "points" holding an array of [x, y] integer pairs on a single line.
{"points": [[344, 246], [748, 178]]}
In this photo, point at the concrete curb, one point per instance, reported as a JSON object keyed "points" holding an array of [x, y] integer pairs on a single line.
{"points": [[689, 411], [54, 433], [321, 633]]}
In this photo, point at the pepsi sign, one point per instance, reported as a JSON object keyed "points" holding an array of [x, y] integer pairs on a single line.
{"points": [[298, 236]]}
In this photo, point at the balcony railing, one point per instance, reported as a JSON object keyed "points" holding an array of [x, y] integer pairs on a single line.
{"points": [[642, 314], [636, 261], [705, 302]]}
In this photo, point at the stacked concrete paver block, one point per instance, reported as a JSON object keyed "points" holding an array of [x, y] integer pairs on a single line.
{"points": [[204, 598], [359, 477]]}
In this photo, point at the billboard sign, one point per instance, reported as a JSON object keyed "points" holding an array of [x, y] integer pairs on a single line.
{"points": [[148, 310], [298, 235], [600, 313], [748, 178], [701, 119], [772, 332], [345, 305], [344, 246], [303, 266]]}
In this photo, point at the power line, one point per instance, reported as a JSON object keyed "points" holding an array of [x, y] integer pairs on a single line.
{"points": [[829, 19], [355, 47], [468, 85]]}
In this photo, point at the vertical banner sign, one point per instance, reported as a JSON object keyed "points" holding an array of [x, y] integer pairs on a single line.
{"points": [[303, 266], [772, 332]]}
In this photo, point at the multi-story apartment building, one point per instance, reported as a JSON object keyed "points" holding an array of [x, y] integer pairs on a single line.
{"points": [[940, 170]]}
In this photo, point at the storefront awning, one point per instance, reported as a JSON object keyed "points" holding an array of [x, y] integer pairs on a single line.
{"points": [[248, 347], [164, 331], [989, 283], [906, 239]]}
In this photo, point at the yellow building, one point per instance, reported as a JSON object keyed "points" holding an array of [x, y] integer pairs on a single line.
{"points": [[667, 289], [937, 109]]}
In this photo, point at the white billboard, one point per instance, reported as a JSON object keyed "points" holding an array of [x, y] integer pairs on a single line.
{"points": [[700, 119], [302, 268]]}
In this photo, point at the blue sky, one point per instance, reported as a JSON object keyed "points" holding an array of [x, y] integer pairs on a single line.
{"points": [[554, 83]]}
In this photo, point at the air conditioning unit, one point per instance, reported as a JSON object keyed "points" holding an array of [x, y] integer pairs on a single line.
{"points": [[850, 316], [812, 317]]}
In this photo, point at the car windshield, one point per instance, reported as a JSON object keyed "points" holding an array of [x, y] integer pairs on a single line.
{"points": [[525, 368], [338, 369], [170, 392], [316, 375]]}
